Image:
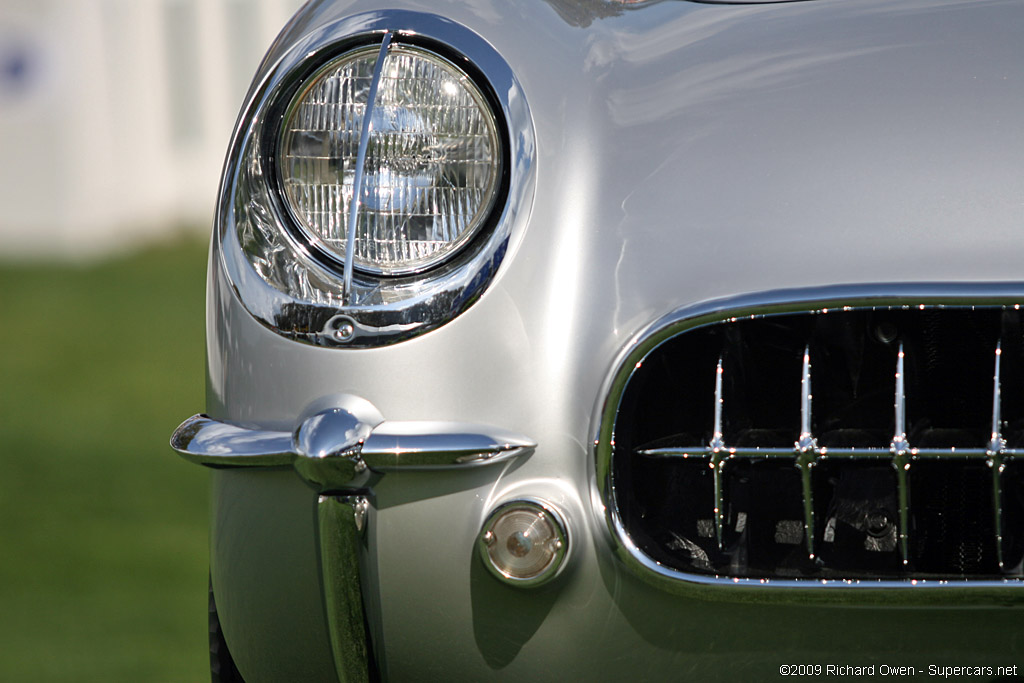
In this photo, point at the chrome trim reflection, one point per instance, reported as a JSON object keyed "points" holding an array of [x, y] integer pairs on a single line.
{"points": [[203, 440], [821, 301], [274, 275], [398, 446], [340, 441]]}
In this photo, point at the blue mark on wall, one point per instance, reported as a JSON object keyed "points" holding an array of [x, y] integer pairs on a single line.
{"points": [[19, 70]]}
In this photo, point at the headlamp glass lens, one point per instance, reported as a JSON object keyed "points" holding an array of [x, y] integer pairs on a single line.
{"points": [[432, 167]]}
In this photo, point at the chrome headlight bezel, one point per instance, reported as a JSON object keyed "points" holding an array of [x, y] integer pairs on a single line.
{"points": [[298, 291]]}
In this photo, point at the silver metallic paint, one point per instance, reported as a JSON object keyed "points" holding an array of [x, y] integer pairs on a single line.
{"points": [[685, 153]]}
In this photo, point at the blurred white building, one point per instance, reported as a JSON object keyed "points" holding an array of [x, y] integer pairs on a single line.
{"points": [[115, 116]]}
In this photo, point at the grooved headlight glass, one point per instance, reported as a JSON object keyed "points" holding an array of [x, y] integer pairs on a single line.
{"points": [[432, 167]]}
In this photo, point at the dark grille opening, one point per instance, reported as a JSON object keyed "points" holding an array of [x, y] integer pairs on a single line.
{"points": [[858, 519], [756, 370], [823, 460], [764, 518], [681, 528], [950, 349], [1013, 518], [855, 357], [953, 519]]}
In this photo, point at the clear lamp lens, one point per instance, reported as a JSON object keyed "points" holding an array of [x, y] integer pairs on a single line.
{"points": [[432, 166], [524, 542]]}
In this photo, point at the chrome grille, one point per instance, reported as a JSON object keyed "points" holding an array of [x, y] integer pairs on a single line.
{"points": [[902, 463]]}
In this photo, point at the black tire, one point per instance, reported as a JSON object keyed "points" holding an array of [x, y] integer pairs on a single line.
{"points": [[222, 666]]}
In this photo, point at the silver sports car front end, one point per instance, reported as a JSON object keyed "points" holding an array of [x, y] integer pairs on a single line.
{"points": [[514, 315]]}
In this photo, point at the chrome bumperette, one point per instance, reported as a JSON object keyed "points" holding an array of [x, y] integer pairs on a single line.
{"points": [[806, 451], [340, 441], [398, 446], [339, 446], [340, 522], [275, 275]]}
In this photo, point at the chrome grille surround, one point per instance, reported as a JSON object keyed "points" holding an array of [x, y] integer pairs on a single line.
{"points": [[806, 453]]}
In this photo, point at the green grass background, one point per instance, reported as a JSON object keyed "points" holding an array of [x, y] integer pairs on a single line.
{"points": [[103, 530]]}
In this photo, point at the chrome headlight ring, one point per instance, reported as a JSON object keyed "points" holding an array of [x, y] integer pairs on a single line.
{"points": [[286, 278]]}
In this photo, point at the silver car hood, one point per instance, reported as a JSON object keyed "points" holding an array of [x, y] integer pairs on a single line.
{"points": [[689, 151], [685, 153]]}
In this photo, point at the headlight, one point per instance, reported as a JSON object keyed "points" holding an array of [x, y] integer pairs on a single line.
{"points": [[358, 220], [432, 161]]}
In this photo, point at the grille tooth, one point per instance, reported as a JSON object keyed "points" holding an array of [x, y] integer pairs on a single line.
{"points": [[718, 458], [828, 509], [808, 503], [807, 452], [901, 457], [903, 493], [996, 447], [997, 509]]}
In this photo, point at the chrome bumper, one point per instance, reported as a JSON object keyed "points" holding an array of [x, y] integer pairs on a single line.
{"points": [[340, 446]]}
